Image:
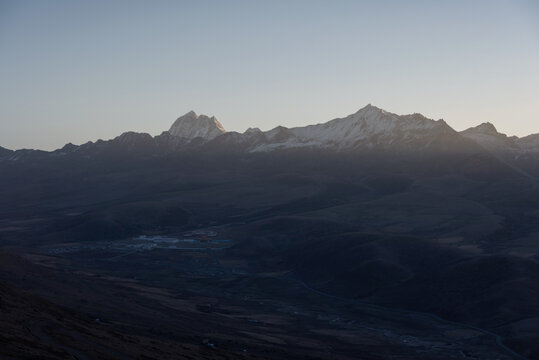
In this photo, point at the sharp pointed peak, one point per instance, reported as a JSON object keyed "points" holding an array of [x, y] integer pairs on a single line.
{"points": [[192, 125], [370, 110], [191, 115], [371, 107]]}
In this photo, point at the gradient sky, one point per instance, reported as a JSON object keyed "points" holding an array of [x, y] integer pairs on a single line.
{"points": [[74, 71]]}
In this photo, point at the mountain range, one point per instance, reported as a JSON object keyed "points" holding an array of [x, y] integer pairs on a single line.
{"points": [[369, 129], [372, 236]]}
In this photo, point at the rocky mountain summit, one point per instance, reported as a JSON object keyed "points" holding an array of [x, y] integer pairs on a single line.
{"points": [[192, 126]]}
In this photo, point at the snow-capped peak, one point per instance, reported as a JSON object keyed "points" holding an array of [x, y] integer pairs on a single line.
{"points": [[369, 127], [370, 108], [367, 123], [192, 126]]}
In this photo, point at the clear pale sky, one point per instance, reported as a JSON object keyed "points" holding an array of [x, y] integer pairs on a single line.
{"points": [[74, 71]]}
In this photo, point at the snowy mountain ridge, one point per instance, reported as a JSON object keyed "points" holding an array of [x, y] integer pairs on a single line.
{"points": [[368, 128], [192, 126]]}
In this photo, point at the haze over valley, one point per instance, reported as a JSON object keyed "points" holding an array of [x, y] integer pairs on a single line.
{"points": [[278, 180], [374, 234]]}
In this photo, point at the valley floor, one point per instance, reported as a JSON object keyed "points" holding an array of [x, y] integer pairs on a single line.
{"points": [[203, 303]]}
